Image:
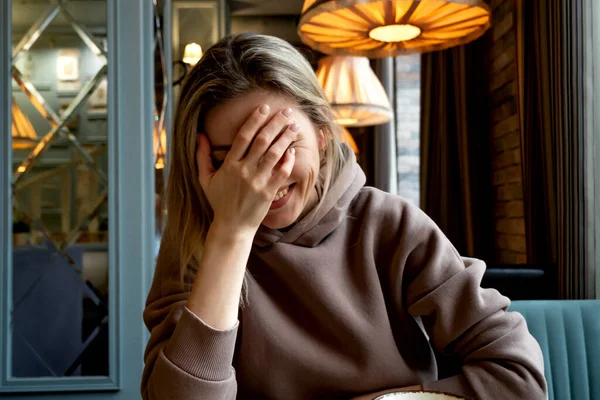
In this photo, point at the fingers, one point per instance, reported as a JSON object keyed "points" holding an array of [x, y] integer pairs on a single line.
{"points": [[277, 150], [244, 138], [267, 135], [283, 170], [204, 161]]}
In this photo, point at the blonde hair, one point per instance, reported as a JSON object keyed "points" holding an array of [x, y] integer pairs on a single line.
{"points": [[233, 67]]}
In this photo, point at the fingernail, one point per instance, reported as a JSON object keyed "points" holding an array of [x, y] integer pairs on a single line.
{"points": [[292, 151], [295, 127], [264, 109], [287, 112]]}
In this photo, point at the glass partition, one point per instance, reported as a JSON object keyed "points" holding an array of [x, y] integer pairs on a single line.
{"points": [[182, 30], [60, 290]]}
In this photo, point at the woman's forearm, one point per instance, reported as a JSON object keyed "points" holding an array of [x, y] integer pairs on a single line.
{"points": [[217, 287]]}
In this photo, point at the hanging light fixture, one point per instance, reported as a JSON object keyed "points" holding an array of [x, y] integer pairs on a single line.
{"points": [[23, 134], [192, 54], [387, 28], [356, 95], [347, 138], [160, 145], [160, 159]]}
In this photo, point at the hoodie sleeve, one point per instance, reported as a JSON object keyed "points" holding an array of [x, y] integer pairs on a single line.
{"points": [[500, 358], [184, 358]]}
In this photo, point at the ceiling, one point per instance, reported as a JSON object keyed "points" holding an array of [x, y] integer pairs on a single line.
{"points": [[271, 17], [265, 7], [91, 14]]}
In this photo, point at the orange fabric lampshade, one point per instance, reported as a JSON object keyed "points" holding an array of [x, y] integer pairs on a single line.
{"points": [[347, 138], [160, 146], [23, 134], [387, 28], [356, 95]]}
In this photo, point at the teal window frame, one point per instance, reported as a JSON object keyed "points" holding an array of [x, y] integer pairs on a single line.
{"points": [[131, 205]]}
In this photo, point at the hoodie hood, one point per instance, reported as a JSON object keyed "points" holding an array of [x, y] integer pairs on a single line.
{"points": [[321, 221]]}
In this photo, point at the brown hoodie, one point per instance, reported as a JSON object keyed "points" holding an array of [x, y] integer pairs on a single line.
{"points": [[351, 303]]}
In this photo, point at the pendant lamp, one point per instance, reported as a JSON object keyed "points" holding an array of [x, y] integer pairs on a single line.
{"points": [[192, 54], [347, 138], [23, 134], [387, 28], [160, 159], [356, 95], [160, 146]]}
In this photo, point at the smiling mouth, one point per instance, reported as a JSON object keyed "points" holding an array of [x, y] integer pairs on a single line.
{"points": [[282, 193], [282, 197]]}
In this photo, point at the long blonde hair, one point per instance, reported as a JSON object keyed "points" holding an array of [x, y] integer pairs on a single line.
{"points": [[233, 67]]}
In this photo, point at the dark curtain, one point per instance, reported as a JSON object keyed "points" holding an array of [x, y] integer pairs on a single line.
{"points": [[455, 169], [553, 139]]}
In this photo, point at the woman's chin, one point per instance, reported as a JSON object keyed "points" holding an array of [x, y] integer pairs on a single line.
{"points": [[279, 219], [277, 223]]}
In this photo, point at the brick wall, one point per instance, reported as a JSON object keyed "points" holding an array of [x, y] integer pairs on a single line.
{"points": [[510, 242]]}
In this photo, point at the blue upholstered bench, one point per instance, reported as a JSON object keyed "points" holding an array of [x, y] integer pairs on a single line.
{"points": [[568, 332]]}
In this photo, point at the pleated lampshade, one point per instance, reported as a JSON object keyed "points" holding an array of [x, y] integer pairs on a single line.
{"points": [[192, 53], [356, 95], [22, 132], [387, 28], [160, 159], [160, 146], [347, 138]]}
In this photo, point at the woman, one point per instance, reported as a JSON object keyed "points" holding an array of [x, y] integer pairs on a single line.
{"points": [[281, 277]]}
